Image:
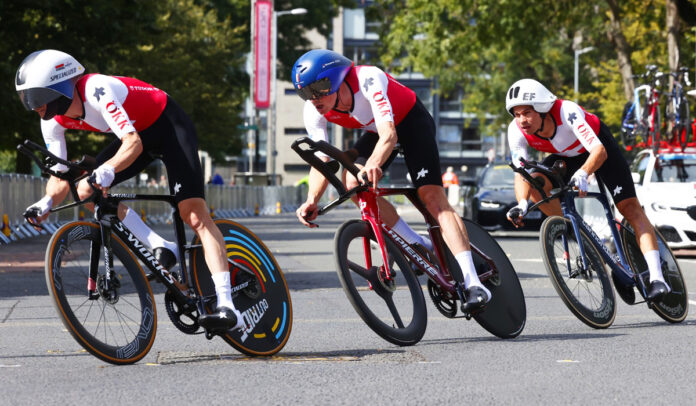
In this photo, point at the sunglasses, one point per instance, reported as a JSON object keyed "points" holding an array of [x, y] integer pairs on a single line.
{"points": [[315, 90]]}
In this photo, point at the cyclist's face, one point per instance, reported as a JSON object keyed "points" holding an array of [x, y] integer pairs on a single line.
{"points": [[527, 118], [325, 104], [41, 110]]}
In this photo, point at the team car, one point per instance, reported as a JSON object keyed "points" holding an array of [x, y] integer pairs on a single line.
{"points": [[666, 188]]}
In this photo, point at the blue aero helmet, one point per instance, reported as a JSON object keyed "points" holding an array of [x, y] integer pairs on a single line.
{"points": [[319, 72]]}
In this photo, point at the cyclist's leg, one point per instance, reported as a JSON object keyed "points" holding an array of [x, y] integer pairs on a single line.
{"points": [[617, 177], [128, 216], [178, 146], [363, 149], [417, 137]]}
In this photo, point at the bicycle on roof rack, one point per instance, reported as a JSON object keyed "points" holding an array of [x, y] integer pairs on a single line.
{"points": [[375, 265], [575, 257], [95, 276]]}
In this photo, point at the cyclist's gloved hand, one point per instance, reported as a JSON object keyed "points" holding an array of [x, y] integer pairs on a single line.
{"points": [[38, 211], [514, 215], [580, 180], [104, 175]]}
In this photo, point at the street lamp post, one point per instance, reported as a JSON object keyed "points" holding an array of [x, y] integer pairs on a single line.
{"points": [[272, 110], [578, 52]]}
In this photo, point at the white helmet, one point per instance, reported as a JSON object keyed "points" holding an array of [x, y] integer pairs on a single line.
{"points": [[48, 77], [529, 92]]}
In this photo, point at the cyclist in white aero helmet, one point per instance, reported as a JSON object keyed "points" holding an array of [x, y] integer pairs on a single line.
{"points": [[580, 139], [147, 123]]}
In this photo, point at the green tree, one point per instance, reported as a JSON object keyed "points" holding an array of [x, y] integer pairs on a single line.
{"points": [[483, 46], [193, 49]]}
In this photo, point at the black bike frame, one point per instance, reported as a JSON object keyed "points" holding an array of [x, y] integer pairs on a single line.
{"points": [[619, 264]]}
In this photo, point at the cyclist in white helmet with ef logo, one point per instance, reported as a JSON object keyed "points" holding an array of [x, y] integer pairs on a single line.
{"points": [[569, 133], [148, 123]]}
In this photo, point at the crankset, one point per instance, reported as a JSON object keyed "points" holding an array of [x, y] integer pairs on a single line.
{"points": [[186, 322], [444, 304]]}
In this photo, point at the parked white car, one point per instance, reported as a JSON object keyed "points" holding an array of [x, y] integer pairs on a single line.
{"points": [[666, 188]]}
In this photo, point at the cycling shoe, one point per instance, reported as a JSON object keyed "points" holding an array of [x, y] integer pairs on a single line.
{"points": [[627, 293], [476, 299], [657, 291], [425, 253], [223, 319]]}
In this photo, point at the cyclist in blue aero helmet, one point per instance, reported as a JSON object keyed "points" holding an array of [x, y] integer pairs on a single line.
{"points": [[367, 99], [319, 72]]}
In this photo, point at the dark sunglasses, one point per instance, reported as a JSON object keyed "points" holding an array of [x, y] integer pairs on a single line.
{"points": [[320, 88]]}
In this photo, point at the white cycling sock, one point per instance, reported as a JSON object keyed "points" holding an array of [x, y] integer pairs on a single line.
{"points": [[145, 234], [223, 290], [654, 267], [403, 229], [466, 263]]}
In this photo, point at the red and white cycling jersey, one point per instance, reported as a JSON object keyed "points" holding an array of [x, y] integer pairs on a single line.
{"points": [[377, 98], [576, 133], [113, 104]]}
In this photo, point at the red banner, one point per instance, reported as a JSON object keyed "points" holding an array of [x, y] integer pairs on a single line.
{"points": [[262, 49]]}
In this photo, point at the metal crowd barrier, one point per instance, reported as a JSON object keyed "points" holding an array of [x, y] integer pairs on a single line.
{"points": [[18, 191]]}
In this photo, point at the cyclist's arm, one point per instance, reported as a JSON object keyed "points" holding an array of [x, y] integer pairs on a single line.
{"points": [[131, 147], [574, 116], [316, 126], [518, 149], [54, 138], [374, 84]]}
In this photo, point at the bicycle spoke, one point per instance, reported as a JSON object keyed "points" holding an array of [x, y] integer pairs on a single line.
{"points": [[358, 269], [393, 310]]}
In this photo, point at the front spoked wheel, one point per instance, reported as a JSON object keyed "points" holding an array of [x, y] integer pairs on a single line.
{"points": [[118, 321], [585, 290], [675, 305], [392, 305], [260, 292], [505, 314]]}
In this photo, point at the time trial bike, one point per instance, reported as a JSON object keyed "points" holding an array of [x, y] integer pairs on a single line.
{"points": [[575, 257], [376, 265], [96, 278]]}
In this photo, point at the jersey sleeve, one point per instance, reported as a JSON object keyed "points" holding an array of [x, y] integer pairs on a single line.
{"points": [[574, 117], [54, 138], [373, 84], [316, 125], [517, 143], [100, 94]]}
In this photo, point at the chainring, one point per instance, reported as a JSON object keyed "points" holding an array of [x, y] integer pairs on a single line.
{"points": [[446, 306], [185, 322]]}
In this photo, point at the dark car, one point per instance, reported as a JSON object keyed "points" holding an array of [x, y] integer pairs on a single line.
{"points": [[488, 199]]}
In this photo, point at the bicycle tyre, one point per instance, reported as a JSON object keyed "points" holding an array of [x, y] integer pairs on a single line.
{"points": [[685, 129], [675, 305], [119, 326], [379, 304], [578, 294], [655, 130], [628, 126], [505, 315], [269, 310]]}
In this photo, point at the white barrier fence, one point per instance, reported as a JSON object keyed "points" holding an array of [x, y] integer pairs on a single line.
{"points": [[17, 192]]}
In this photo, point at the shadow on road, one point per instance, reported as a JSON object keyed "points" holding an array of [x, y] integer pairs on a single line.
{"points": [[522, 338]]}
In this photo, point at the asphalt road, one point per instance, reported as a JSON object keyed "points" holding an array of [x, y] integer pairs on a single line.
{"points": [[333, 357]]}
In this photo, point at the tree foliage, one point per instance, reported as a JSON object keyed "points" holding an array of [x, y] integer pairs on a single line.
{"points": [[195, 50], [483, 46]]}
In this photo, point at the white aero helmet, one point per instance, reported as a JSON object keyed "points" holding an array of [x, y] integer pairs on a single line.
{"points": [[529, 92], [48, 77]]}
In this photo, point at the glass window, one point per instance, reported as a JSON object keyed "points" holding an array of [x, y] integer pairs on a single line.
{"points": [[674, 170], [354, 23], [449, 140]]}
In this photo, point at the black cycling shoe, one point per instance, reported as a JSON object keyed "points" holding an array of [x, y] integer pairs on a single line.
{"points": [[627, 293], [657, 290], [222, 319], [476, 299], [165, 257], [425, 253]]}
